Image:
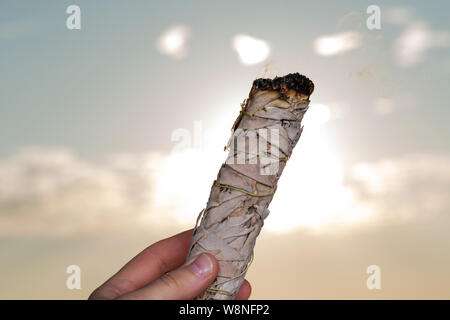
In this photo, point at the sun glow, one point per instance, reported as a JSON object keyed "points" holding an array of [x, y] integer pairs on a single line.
{"points": [[337, 43], [173, 42], [183, 183], [310, 192], [184, 180], [250, 50]]}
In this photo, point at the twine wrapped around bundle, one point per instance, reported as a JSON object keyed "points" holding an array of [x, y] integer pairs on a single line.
{"points": [[263, 138]]}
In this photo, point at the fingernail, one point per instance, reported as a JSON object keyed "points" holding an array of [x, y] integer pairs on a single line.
{"points": [[202, 266]]}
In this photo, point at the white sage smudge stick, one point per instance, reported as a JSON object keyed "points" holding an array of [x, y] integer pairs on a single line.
{"points": [[262, 140]]}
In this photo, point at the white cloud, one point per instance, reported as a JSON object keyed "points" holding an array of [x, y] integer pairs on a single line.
{"points": [[48, 191], [414, 186], [415, 41], [250, 50], [329, 45], [173, 42], [398, 15], [315, 193], [52, 191]]}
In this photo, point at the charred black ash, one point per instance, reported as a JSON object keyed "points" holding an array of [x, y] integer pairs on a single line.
{"points": [[292, 81]]}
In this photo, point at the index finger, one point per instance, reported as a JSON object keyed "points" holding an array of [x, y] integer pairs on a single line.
{"points": [[147, 266]]}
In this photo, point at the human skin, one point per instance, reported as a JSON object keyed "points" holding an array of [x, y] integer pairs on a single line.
{"points": [[159, 272]]}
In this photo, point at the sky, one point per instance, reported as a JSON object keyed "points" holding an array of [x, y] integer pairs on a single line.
{"points": [[111, 136]]}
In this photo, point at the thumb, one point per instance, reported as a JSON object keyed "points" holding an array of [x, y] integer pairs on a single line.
{"points": [[184, 283]]}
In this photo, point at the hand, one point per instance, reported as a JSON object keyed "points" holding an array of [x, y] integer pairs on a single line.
{"points": [[159, 273]]}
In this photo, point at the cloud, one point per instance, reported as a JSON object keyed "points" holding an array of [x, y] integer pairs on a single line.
{"points": [[315, 193], [173, 42], [414, 186], [329, 45], [54, 192], [398, 16], [250, 50], [415, 41]]}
